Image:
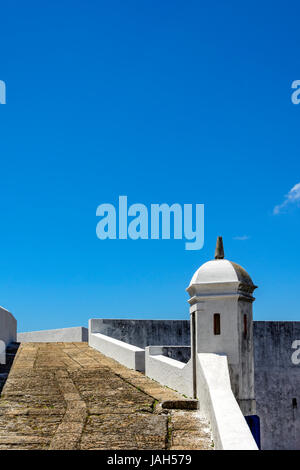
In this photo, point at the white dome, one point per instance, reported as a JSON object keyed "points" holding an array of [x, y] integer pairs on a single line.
{"points": [[221, 270]]}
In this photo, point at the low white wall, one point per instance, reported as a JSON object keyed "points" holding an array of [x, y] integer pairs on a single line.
{"points": [[8, 326], [174, 374], [217, 402], [8, 331], [62, 335], [128, 355]]}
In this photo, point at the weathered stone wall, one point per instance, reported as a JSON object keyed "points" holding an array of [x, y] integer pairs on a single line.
{"points": [[277, 383], [277, 378], [142, 333], [179, 353]]}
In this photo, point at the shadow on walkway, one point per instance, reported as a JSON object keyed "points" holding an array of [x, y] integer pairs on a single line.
{"points": [[11, 351]]}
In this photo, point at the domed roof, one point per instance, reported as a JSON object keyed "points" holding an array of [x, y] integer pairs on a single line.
{"points": [[221, 270]]}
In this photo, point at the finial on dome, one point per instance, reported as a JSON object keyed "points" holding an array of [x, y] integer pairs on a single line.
{"points": [[219, 253]]}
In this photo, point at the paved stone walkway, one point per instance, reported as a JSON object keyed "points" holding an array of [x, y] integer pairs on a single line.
{"points": [[69, 396]]}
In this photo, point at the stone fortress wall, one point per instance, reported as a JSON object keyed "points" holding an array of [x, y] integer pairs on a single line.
{"points": [[276, 366], [276, 360], [221, 352], [276, 363], [277, 383]]}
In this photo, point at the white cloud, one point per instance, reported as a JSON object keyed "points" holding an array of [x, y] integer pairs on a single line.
{"points": [[293, 197], [242, 237]]}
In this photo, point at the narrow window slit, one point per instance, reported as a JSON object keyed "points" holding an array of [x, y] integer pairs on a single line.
{"points": [[245, 326], [217, 324]]}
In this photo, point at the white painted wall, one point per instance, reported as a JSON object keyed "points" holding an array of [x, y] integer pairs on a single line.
{"points": [[218, 404], [64, 335], [231, 342], [8, 331], [128, 355], [174, 374]]}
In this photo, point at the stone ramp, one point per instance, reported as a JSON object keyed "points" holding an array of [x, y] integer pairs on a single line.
{"points": [[70, 396]]}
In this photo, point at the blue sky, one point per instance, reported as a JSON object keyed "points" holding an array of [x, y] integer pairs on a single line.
{"points": [[162, 101]]}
